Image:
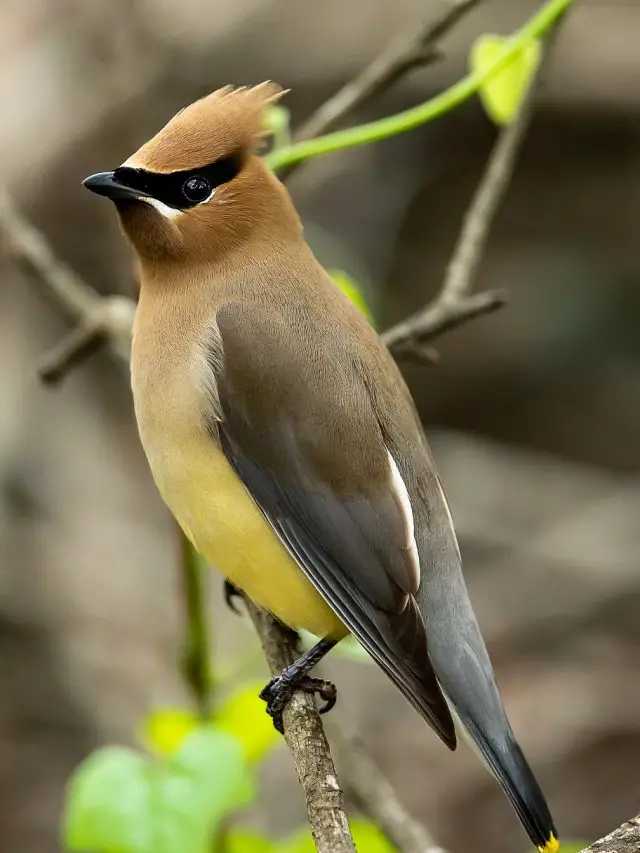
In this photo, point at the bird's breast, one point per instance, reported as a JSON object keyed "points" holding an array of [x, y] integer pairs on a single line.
{"points": [[207, 498]]}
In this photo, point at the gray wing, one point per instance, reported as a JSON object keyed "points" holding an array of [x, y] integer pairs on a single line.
{"points": [[319, 471]]}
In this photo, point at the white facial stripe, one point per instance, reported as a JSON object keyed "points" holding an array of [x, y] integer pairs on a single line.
{"points": [[403, 502], [164, 209]]}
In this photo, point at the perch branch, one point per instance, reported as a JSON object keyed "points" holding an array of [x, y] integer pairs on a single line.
{"points": [[413, 51], [308, 743]]}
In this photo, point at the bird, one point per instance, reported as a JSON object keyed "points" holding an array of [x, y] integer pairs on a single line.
{"points": [[281, 434]]}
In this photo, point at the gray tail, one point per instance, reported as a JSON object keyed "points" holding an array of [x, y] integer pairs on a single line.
{"points": [[508, 764], [463, 669]]}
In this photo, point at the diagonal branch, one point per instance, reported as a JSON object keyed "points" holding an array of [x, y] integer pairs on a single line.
{"points": [[413, 51], [455, 304], [99, 319], [377, 798], [308, 743]]}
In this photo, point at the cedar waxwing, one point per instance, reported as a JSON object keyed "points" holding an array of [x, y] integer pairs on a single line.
{"points": [[283, 438]]}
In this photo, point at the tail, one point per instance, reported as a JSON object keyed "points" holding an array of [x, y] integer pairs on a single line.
{"points": [[509, 766], [464, 671]]}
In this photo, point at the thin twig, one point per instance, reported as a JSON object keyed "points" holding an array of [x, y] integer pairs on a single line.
{"points": [[414, 50], [377, 797], [455, 304], [99, 319], [308, 743], [26, 245], [75, 348], [418, 116]]}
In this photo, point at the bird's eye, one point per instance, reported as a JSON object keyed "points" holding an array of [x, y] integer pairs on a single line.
{"points": [[196, 188]]}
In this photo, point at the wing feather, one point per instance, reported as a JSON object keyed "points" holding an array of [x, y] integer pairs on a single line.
{"points": [[321, 477]]}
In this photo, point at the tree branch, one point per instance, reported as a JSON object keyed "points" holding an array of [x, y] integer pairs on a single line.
{"points": [[455, 304], [624, 839], [99, 319], [377, 797], [415, 50], [307, 742]]}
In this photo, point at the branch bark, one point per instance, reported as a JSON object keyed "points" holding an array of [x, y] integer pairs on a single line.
{"points": [[624, 839], [308, 743]]}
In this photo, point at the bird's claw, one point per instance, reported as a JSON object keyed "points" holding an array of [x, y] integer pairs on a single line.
{"points": [[232, 592], [279, 691]]}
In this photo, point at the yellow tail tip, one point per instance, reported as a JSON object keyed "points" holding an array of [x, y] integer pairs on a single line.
{"points": [[552, 845]]}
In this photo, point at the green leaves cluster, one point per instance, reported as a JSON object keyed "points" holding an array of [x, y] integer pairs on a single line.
{"points": [[120, 801], [193, 776], [181, 793]]}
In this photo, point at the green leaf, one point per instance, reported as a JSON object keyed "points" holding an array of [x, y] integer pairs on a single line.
{"points": [[366, 835], [351, 289], [105, 799], [215, 760], [241, 715], [164, 730], [244, 716], [248, 842], [502, 93], [120, 802]]}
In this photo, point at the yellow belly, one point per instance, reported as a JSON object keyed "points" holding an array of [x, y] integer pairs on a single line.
{"points": [[224, 524]]}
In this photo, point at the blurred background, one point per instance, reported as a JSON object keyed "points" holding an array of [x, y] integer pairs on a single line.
{"points": [[533, 412]]}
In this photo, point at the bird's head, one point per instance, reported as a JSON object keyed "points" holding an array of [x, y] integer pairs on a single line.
{"points": [[198, 189]]}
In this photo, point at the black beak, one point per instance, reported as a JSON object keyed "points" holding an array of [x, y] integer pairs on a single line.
{"points": [[105, 183]]}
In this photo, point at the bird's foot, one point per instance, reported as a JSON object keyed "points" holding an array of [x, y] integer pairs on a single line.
{"points": [[232, 592], [279, 691]]}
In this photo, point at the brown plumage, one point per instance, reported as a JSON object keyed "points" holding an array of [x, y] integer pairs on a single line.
{"points": [[282, 436], [226, 120]]}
